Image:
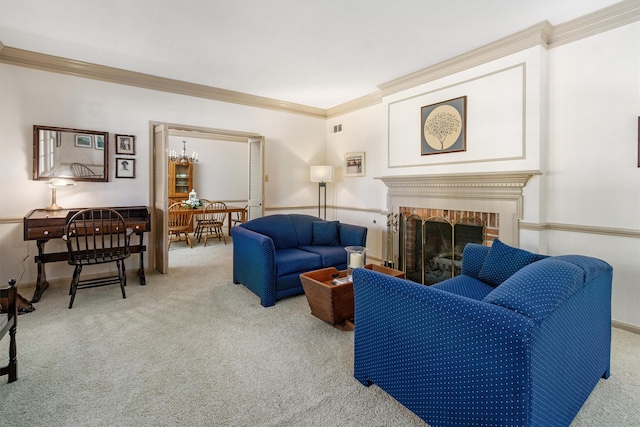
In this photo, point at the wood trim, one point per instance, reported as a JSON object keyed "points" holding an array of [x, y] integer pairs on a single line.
{"points": [[608, 18], [625, 326], [577, 228], [56, 64], [356, 104], [542, 34], [530, 37]]}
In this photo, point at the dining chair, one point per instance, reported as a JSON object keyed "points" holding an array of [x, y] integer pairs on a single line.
{"points": [[8, 324], [179, 223], [97, 236], [239, 217], [199, 217], [213, 220], [81, 171]]}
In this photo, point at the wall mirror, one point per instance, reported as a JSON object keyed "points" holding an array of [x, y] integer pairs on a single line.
{"points": [[82, 155]]}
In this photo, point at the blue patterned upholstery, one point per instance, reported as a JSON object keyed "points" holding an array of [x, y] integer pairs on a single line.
{"points": [[502, 261], [269, 253], [530, 357], [325, 233]]}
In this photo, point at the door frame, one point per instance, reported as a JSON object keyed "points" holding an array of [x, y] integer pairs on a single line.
{"points": [[192, 131]]}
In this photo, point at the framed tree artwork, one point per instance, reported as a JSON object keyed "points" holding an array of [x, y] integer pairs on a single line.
{"points": [[444, 127]]}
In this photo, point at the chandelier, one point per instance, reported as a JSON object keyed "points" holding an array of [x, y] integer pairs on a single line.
{"points": [[173, 156]]}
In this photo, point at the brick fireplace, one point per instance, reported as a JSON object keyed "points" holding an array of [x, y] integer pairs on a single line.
{"points": [[491, 201]]}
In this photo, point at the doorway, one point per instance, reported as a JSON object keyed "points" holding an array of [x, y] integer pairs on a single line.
{"points": [[160, 133]]}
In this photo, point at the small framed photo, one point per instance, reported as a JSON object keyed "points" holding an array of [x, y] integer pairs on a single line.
{"points": [[125, 168], [125, 144], [99, 142], [85, 141], [444, 127], [354, 164]]}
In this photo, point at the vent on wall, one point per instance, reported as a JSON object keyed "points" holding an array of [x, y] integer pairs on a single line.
{"points": [[337, 128]]}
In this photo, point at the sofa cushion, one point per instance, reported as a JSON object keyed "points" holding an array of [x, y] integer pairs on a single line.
{"points": [[303, 227], [278, 228], [465, 286], [295, 260], [325, 233], [538, 289], [503, 261], [332, 256]]}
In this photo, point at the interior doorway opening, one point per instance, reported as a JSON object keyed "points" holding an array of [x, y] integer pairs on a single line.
{"points": [[161, 133]]}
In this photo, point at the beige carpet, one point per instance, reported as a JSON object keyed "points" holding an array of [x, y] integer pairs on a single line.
{"points": [[191, 348]]}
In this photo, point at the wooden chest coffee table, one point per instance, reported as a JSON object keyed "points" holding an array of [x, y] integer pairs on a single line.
{"points": [[334, 303]]}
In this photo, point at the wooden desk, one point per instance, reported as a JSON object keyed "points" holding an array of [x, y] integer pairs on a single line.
{"points": [[41, 225]]}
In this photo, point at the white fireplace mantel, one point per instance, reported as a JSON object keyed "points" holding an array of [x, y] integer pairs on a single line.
{"points": [[499, 192]]}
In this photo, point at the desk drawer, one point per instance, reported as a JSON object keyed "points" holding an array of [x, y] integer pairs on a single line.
{"points": [[137, 226], [45, 233]]}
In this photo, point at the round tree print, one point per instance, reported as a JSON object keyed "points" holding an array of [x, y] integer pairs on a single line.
{"points": [[442, 127]]}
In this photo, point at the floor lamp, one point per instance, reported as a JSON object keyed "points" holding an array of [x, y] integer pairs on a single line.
{"points": [[322, 175]]}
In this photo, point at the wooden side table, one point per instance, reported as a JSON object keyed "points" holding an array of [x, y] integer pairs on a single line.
{"points": [[334, 303]]}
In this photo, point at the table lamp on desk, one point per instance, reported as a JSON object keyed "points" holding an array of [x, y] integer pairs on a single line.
{"points": [[54, 184]]}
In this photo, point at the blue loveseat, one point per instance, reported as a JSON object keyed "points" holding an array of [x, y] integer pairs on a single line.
{"points": [[517, 339], [269, 253]]}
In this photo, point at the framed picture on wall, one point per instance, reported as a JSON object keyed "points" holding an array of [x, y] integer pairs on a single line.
{"points": [[125, 168], [125, 144], [85, 141], [99, 142], [354, 164], [444, 127]]}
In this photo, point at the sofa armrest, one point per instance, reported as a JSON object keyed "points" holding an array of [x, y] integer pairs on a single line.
{"points": [[353, 235], [254, 263]]}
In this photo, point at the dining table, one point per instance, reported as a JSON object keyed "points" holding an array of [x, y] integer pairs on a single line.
{"points": [[230, 210]]}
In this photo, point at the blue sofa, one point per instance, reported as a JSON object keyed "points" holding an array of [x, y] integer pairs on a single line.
{"points": [[517, 339], [269, 253]]}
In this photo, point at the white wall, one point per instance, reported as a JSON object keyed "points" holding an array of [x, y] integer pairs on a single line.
{"points": [[35, 97], [222, 170], [593, 176], [570, 112]]}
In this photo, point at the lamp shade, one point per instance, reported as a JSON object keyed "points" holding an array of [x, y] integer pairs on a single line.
{"points": [[323, 173], [62, 183]]}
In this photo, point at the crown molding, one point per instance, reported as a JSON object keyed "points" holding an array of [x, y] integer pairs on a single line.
{"points": [[356, 104], [608, 18], [530, 37], [542, 34], [56, 64]]}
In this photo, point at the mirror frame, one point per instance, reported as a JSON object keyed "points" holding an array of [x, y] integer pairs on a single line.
{"points": [[36, 152]]}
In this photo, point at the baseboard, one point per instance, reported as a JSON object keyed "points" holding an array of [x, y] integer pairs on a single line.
{"points": [[625, 326]]}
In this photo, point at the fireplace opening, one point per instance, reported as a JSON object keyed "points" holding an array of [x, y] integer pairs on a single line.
{"points": [[431, 247]]}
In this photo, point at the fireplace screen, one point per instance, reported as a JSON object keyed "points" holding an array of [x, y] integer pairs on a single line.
{"points": [[431, 249]]}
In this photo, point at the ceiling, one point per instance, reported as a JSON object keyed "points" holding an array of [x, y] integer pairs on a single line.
{"points": [[319, 53]]}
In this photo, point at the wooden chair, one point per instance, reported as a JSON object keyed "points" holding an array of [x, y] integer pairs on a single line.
{"points": [[97, 236], [179, 223], [199, 217], [238, 217], [8, 323], [212, 222], [81, 171]]}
